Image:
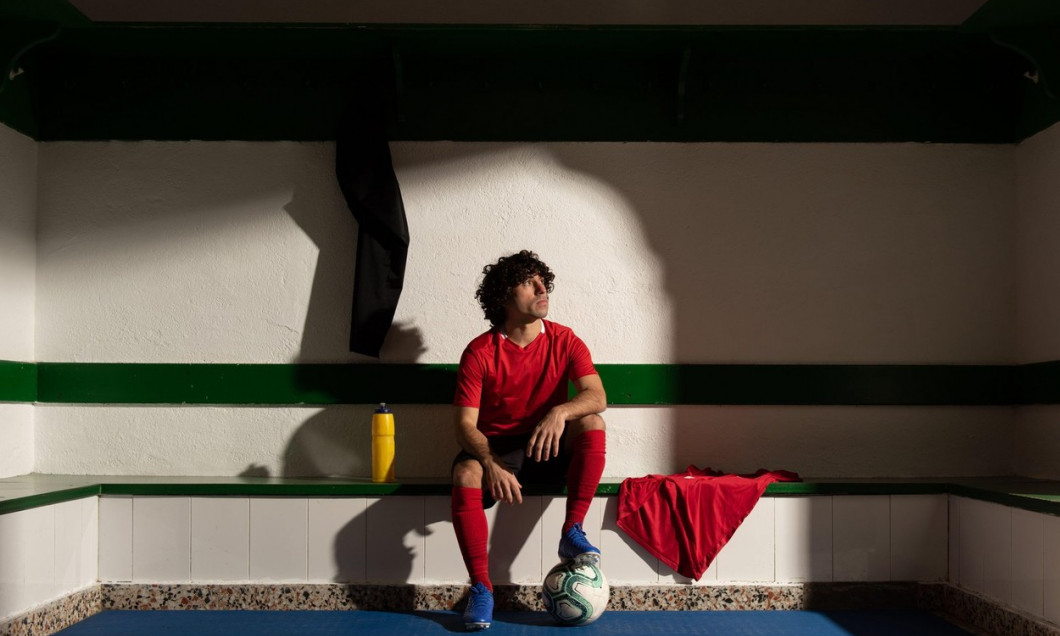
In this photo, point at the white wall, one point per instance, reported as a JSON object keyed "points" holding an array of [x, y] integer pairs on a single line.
{"points": [[815, 441], [18, 230], [1037, 282], [18, 254], [1037, 238], [243, 252]]}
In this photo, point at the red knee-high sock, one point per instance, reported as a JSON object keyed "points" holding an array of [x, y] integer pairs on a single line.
{"points": [[472, 533], [583, 476]]}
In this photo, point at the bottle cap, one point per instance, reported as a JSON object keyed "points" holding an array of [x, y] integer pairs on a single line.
{"points": [[383, 408]]}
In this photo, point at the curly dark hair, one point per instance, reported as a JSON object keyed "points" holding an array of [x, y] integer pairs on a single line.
{"points": [[500, 277]]}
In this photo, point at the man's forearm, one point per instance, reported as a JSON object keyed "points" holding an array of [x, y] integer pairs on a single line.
{"points": [[469, 437], [589, 402], [475, 443]]}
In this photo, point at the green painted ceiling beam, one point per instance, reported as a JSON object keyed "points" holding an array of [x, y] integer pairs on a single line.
{"points": [[527, 83], [1013, 14], [1030, 28], [59, 12], [991, 80]]}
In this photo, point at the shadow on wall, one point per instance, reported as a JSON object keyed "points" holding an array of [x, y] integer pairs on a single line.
{"points": [[334, 442], [813, 253], [375, 546]]}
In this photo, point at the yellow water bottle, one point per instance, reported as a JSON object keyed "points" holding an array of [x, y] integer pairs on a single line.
{"points": [[382, 444]]}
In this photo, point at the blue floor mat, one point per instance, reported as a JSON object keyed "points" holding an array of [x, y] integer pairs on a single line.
{"points": [[735, 623]]}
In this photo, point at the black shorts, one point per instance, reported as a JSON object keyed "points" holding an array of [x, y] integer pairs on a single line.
{"points": [[511, 449]]}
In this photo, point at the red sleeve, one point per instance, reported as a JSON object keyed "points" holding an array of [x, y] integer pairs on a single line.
{"points": [[581, 362], [468, 381]]}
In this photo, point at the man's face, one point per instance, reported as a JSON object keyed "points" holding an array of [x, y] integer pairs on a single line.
{"points": [[529, 300]]}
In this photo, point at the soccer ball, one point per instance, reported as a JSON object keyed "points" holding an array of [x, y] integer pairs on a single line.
{"points": [[575, 592]]}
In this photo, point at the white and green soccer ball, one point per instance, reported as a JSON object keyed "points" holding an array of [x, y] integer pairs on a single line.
{"points": [[575, 592]]}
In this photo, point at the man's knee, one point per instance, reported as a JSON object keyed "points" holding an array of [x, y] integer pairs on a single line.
{"points": [[588, 423], [467, 474]]}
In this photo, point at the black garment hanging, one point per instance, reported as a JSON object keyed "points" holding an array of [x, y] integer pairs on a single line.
{"points": [[365, 173]]}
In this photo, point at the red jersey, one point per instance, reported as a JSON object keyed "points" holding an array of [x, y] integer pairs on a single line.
{"points": [[514, 387], [687, 518]]}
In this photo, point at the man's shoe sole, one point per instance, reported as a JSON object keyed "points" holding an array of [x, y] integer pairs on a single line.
{"points": [[591, 557]]}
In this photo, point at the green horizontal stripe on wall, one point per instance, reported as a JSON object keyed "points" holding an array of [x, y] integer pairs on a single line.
{"points": [[1037, 383], [245, 383], [796, 384], [626, 384], [18, 381]]}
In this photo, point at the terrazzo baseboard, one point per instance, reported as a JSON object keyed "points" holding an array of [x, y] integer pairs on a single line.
{"points": [[976, 613], [981, 615], [508, 597], [54, 616]]}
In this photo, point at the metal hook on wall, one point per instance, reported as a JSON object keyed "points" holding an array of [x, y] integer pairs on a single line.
{"points": [[1037, 46], [11, 70]]}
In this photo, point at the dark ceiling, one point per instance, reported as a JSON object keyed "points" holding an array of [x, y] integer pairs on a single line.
{"points": [[753, 70]]}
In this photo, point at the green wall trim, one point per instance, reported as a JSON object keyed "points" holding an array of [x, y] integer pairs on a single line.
{"points": [[100, 383], [798, 384], [18, 381], [1037, 383], [627, 384]]}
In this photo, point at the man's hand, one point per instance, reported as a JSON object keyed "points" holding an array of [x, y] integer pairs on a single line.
{"points": [[501, 482], [590, 399], [544, 441]]}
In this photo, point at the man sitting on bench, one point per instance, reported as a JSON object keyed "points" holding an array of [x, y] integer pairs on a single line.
{"points": [[515, 423]]}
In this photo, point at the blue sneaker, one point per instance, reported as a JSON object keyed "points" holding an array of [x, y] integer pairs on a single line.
{"points": [[479, 611], [573, 544]]}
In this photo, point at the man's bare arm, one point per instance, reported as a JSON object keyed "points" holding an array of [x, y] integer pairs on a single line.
{"points": [[591, 399], [497, 479]]}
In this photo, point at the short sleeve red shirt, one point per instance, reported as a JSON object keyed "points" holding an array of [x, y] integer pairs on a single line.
{"points": [[514, 387]]}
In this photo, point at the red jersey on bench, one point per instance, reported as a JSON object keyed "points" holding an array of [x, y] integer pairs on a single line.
{"points": [[686, 519]]}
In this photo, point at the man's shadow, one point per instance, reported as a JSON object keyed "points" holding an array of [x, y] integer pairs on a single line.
{"points": [[335, 441]]}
